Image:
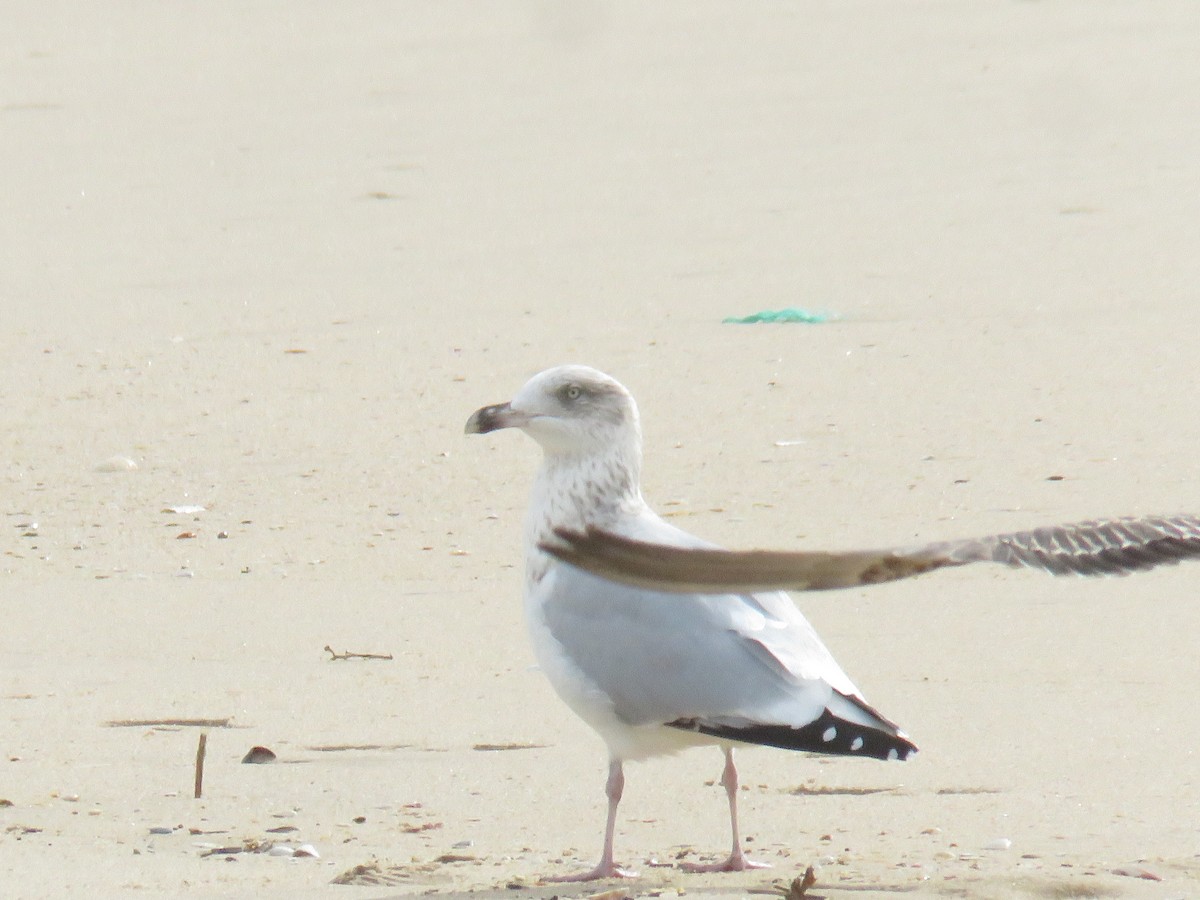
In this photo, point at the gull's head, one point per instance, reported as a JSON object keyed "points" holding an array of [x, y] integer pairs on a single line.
{"points": [[569, 410]]}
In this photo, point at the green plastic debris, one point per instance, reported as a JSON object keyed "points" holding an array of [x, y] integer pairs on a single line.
{"points": [[791, 314]]}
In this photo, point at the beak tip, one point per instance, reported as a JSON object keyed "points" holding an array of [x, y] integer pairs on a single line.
{"points": [[487, 418]]}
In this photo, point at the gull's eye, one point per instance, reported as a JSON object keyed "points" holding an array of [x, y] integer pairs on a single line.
{"points": [[572, 392]]}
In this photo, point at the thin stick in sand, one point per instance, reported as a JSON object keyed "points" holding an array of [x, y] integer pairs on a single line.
{"points": [[201, 747], [333, 654]]}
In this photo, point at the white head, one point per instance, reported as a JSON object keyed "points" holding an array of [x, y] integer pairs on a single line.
{"points": [[572, 411]]}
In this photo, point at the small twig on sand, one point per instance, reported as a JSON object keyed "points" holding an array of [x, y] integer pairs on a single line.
{"points": [[201, 747], [348, 655], [170, 723], [798, 889]]}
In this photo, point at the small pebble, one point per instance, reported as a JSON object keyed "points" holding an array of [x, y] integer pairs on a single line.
{"points": [[160, 830], [998, 844], [307, 850], [116, 464], [281, 850]]}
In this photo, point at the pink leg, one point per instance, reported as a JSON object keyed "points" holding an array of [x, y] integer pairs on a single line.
{"points": [[737, 861], [606, 868]]}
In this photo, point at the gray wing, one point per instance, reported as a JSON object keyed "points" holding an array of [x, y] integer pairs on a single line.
{"points": [[1098, 547], [659, 657], [738, 667]]}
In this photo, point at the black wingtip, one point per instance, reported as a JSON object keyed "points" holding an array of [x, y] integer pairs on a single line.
{"points": [[827, 734]]}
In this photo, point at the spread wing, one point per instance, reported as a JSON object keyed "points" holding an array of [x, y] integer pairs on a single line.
{"points": [[1099, 547]]}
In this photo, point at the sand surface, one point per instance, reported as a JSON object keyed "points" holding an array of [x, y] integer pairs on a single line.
{"points": [[274, 254]]}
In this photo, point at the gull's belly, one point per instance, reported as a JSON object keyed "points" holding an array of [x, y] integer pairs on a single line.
{"points": [[586, 700]]}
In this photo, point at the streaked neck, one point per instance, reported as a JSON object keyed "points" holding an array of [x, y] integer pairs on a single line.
{"points": [[574, 491]]}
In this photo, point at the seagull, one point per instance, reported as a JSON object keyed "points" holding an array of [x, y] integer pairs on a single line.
{"points": [[1119, 546], [656, 672]]}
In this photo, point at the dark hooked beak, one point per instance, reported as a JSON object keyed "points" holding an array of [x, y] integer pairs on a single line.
{"points": [[493, 418]]}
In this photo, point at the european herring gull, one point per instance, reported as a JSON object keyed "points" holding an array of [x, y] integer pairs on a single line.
{"points": [[657, 672]]}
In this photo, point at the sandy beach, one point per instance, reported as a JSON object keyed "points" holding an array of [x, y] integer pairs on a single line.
{"points": [[260, 261]]}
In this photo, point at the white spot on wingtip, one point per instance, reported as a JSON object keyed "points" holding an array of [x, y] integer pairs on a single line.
{"points": [[892, 754], [829, 734], [856, 744]]}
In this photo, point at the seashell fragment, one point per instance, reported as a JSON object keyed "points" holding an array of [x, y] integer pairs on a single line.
{"points": [[259, 756], [1137, 872], [116, 464]]}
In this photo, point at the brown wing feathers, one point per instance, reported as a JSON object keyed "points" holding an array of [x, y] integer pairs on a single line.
{"points": [[1099, 547]]}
